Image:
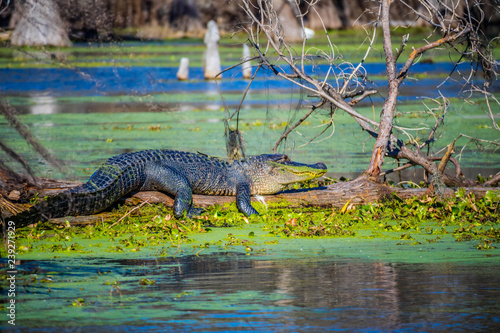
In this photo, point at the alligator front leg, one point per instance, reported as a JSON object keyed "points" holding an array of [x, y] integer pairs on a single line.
{"points": [[169, 180], [243, 195]]}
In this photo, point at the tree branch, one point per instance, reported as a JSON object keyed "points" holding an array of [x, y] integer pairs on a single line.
{"points": [[385, 128], [290, 129]]}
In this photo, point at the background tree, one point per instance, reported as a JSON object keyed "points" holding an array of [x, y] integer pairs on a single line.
{"points": [[39, 24]]}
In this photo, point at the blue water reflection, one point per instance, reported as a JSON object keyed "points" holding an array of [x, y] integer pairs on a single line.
{"points": [[101, 81]]}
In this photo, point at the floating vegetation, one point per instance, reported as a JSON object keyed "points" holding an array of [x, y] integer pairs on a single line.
{"points": [[110, 266], [146, 282], [406, 222]]}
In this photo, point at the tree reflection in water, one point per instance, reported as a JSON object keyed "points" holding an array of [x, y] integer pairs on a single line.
{"points": [[228, 292]]}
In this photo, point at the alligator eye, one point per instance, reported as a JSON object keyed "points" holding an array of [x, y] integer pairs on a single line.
{"points": [[284, 158]]}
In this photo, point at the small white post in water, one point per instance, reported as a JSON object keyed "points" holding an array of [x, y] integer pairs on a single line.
{"points": [[183, 72], [212, 59], [308, 33], [247, 66]]}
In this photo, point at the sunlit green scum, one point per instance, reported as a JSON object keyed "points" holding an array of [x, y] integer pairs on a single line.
{"points": [[438, 228]]}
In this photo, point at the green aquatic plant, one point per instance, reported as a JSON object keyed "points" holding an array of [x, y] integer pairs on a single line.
{"points": [[463, 218], [146, 282]]}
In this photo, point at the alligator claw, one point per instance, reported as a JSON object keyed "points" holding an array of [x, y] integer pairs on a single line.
{"points": [[194, 212]]}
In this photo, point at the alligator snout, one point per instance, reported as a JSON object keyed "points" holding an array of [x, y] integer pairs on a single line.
{"points": [[321, 166]]}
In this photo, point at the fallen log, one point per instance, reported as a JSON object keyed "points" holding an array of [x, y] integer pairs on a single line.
{"points": [[359, 191]]}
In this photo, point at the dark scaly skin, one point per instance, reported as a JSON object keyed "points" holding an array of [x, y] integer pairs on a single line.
{"points": [[177, 173]]}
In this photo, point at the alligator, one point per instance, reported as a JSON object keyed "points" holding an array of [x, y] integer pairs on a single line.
{"points": [[180, 174]]}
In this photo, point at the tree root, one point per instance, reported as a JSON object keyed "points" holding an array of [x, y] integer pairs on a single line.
{"points": [[495, 180]]}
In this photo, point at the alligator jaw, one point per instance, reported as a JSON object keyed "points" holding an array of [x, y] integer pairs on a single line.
{"points": [[293, 172]]}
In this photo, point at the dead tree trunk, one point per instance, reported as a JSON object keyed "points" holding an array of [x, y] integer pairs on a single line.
{"points": [[385, 128], [455, 28]]}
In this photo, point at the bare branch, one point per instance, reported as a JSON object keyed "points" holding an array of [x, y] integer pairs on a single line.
{"points": [[291, 128], [455, 28], [245, 93], [360, 96], [458, 169], [402, 47], [422, 49], [446, 157]]}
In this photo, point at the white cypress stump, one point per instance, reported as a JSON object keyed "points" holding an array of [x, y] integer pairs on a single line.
{"points": [[183, 72], [247, 66], [212, 60]]}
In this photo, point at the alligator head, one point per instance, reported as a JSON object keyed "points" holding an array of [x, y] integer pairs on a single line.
{"points": [[270, 173]]}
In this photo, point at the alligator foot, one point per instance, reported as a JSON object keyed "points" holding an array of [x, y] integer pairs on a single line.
{"points": [[194, 212]]}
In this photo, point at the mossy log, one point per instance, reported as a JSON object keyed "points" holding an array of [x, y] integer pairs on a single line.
{"points": [[359, 191]]}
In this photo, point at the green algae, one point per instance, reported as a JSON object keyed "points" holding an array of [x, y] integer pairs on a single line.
{"points": [[116, 274], [404, 228], [94, 137], [351, 43]]}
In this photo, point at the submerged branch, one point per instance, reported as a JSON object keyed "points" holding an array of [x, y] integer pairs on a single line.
{"points": [[493, 181], [10, 114], [19, 159]]}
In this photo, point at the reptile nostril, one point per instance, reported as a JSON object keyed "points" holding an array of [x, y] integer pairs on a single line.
{"points": [[320, 166]]}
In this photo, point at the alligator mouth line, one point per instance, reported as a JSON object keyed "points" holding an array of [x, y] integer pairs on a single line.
{"points": [[308, 173]]}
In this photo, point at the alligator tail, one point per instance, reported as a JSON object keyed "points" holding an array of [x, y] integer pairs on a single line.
{"points": [[54, 206]]}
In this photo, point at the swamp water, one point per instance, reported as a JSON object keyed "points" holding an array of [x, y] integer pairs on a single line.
{"points": [[292, 285], [83, 118], [279, 284]]}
